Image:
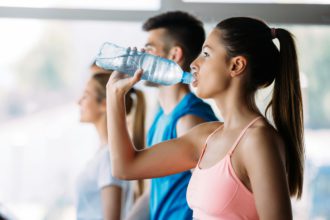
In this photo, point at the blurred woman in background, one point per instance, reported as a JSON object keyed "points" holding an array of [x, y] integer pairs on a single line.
{"points": [[100, 195]]}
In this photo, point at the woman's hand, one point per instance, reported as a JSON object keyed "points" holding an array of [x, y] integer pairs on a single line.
{"points": [[120, 83]]}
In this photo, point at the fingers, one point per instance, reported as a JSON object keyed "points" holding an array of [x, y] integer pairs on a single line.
{"points": [[134, 50], [122, 82], [137, 76]]}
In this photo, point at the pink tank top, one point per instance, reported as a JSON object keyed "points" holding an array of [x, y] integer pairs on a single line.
{"points": [[216, 193]]}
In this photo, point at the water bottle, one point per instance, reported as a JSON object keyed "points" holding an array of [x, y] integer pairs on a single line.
{"points": [[155, 69]]}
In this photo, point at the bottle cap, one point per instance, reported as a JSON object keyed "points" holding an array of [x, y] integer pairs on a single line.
{"points": [[187, 78]]}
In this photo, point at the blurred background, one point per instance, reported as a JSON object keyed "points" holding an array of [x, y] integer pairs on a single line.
{"points": [[46, 48]]}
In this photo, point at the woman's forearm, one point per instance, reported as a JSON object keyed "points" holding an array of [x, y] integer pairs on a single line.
{"points": [[120, 144]]}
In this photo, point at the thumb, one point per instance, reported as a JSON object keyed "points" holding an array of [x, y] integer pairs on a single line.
{"points": [[137, 76]]}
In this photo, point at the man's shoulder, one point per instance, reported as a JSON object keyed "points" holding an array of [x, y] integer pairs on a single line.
{"points": [[193, 102]]}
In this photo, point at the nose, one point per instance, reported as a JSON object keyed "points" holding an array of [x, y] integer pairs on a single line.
{"points": [[79, 101], [193, 66]]}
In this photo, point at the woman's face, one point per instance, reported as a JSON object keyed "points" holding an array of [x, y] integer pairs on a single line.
{"points": [[90, 109], [211, 68]]}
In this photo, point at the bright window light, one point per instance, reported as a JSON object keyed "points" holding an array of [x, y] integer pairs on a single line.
{"points": [[263, 1], [90, 4]]}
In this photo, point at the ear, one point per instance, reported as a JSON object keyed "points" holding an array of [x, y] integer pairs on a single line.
{"points": [[103, 106], [176, 54], [237, 66]]}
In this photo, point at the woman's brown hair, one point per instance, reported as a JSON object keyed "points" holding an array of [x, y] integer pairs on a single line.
{"points": [[253, 39], [134, 100]]}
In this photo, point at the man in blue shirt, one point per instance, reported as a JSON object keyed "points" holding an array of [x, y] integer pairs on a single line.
{"points": [[177, 36]]}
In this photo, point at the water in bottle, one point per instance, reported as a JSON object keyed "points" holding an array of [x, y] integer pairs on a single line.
{"points": [[155, 69]]}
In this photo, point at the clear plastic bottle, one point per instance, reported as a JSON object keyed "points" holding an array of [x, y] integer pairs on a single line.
{"points": [[155, 69]]}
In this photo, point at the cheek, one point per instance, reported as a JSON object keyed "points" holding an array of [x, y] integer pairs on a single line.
{"points": [[207, 87], [88, 112], [212, 82], [154, 52], [158, 52]]}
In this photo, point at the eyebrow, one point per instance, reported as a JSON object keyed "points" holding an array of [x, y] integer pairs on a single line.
{"points": [[149, 44], [207, 46]]}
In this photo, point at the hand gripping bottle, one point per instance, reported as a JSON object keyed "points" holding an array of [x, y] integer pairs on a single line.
{"points": [[155, 69]]}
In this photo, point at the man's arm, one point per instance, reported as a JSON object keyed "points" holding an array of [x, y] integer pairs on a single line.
{"points": [[187, 122]]}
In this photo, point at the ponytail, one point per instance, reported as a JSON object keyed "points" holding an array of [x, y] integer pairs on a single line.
{"points": [[139, 133], [287, 110], [139, 121]]}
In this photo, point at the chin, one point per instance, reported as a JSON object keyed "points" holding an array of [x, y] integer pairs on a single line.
{"points": [[83, 120], [202, 95], [199, 95]]}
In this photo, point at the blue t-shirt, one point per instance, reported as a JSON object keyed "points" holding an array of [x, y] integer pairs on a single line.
{"points": [[168, 194]]}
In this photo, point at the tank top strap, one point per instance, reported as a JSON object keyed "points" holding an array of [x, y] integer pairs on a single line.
{"points": [[205, 144], [241, 135]]}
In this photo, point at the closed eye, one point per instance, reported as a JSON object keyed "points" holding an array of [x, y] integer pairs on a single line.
{"points": [[205, 54]]}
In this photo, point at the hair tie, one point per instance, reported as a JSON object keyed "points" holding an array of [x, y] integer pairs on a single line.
{"points": [[273, 33]]}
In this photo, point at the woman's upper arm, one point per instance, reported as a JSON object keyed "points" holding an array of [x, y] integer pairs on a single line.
{"points": [[164, 159], [267, 176], [111, 202], [169, 157], [187, 122]]}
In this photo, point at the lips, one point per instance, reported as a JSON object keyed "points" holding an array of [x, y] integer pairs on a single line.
{"points": [[194, 83]]}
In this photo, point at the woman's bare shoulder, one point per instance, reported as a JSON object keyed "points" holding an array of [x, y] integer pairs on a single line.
{"points": [[199, 133], [264, 131], [263, 137], [206, 128]]}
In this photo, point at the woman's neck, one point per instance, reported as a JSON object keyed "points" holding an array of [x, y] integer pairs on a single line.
{"points": [[101, 128], [235, 110]]}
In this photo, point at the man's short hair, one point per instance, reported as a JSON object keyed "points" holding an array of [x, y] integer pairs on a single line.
{"points": [[183, 29]]}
